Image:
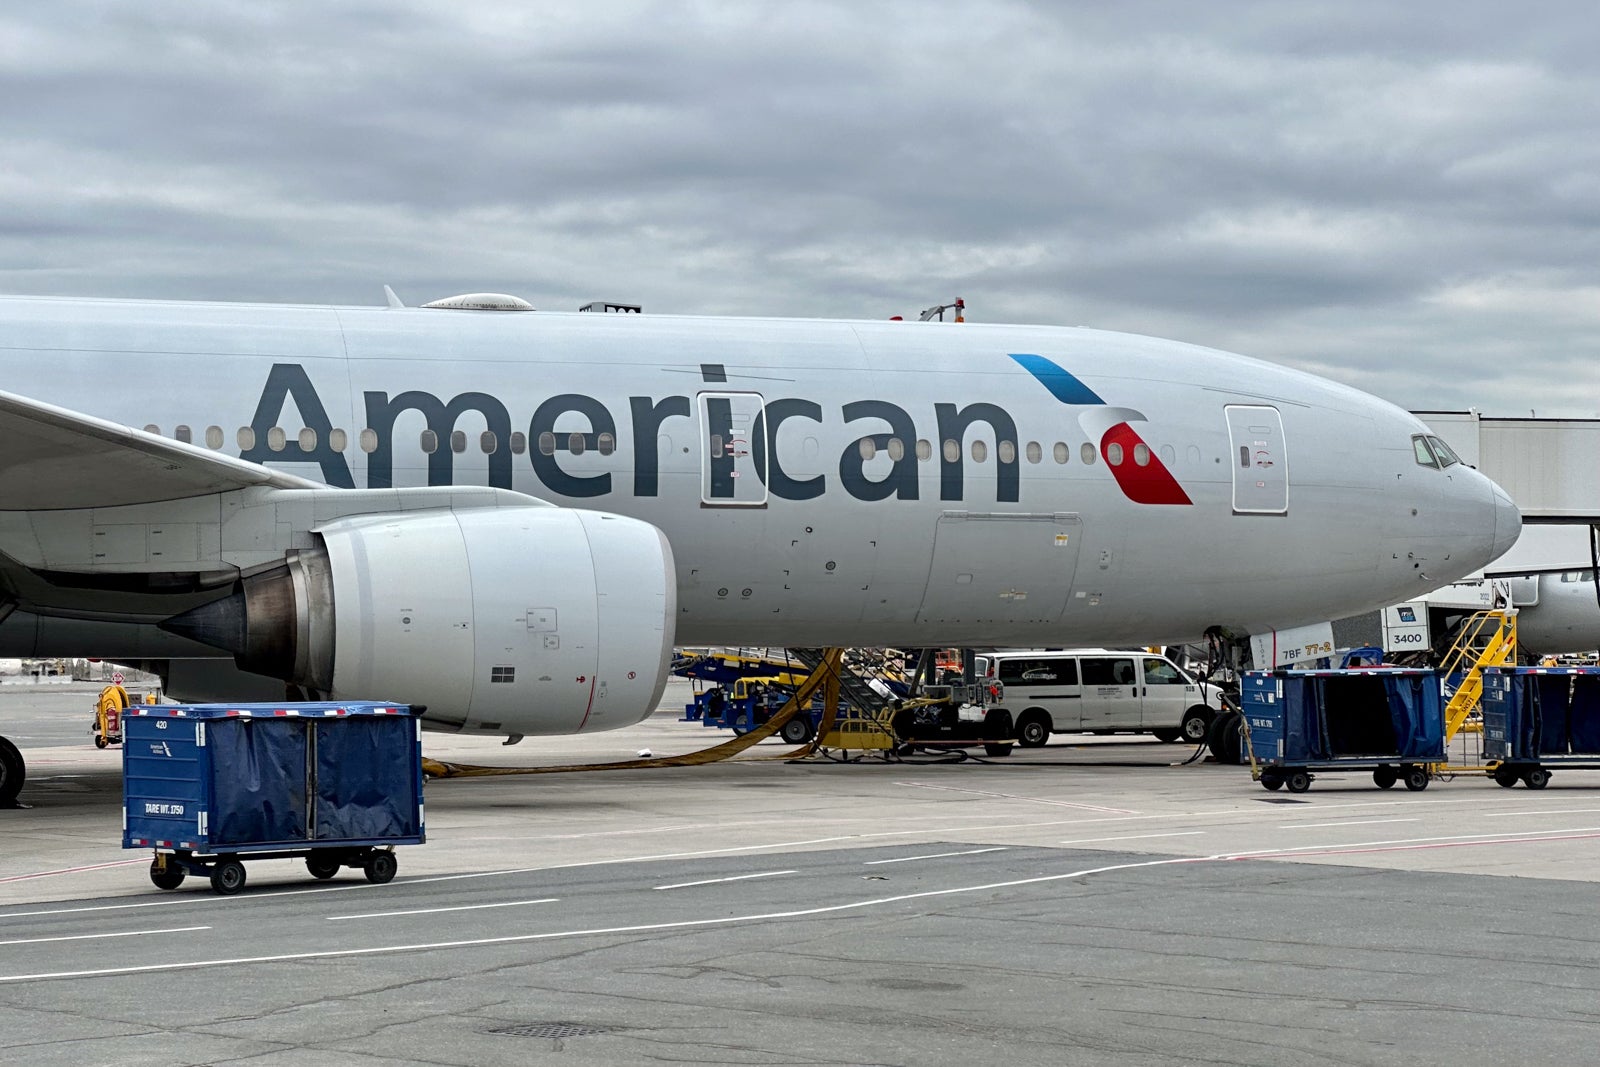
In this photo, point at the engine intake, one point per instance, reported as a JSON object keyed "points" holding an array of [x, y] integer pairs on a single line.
{"points": [[515, 620]]}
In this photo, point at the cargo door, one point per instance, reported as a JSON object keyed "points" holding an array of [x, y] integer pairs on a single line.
{"points": [[733, 469], [1260, 462], [1001, 568]]}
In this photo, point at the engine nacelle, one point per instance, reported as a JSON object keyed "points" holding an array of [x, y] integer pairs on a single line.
{"points": [[508, 620]]}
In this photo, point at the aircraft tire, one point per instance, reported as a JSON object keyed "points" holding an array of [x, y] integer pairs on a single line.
{"points": [[13, 771], [1224, 739]]}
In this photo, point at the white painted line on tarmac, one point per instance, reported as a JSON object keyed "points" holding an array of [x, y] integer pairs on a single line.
{"points": [[434, 911], [1350, 822], [685, 924], [734, 878], [935, 856], [1400, 844], [1014, 796], [96, 937], [1131, 837], [1553, 811]]}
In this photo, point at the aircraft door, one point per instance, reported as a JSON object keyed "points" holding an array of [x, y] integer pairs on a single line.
{"points": [[1110, 693], [990, 568], [1259, 460], [733, 471]]}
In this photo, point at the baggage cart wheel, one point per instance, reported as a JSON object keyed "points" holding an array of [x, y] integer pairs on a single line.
{"points": [[1416, 778], [100, 742], [380, 867], [1298, 781], [227, 877], [1385, 776], [168, 877], [1537, 778], [1271, 780], [797, 731], [1504, 776], [323, 866]]}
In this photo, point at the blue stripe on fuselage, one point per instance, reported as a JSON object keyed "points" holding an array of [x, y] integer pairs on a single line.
{"points": [[1062, 385]]}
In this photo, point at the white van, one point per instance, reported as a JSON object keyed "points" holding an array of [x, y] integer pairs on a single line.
{"points": [[1095, 690]]}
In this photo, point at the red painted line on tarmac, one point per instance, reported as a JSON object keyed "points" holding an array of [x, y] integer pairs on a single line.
{"points": [[1336, 851], [70, 870]]}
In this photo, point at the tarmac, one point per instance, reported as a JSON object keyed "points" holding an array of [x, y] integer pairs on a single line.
{"points": [[1097, 901]]}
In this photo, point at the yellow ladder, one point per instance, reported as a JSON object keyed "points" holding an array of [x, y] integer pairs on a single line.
{"points": [[1486, 639]]}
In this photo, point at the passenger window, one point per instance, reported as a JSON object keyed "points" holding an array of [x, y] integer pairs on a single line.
{"points": [[277, 440], [897, 450], [952, 451], [151, 427], [575, 443], [1424, 454], [1160, 672], [607, 444], [1006, 452], [338, 440], [213, 437], [980, 451], [488, 442], [429, 442], [924, 450], [868, 448], [519, 442], [1087, 452], [184, 434], [1061, 452], [1141, 455], [547, 443], [246, 438], [458, 441], [1034, 452], [1114, 454], [368, 439], [307, 439]]}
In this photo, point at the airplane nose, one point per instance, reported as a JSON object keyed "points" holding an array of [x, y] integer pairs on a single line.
{"points": [[1507, 522]]}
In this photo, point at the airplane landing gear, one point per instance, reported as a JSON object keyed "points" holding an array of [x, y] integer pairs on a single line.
{"points": [[12, 772]]}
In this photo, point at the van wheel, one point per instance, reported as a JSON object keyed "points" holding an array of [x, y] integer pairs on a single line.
{"points": [[1196, 721], [1033, 731]]}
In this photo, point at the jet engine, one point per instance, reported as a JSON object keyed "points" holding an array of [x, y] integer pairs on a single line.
{"points": [[519, 620]]}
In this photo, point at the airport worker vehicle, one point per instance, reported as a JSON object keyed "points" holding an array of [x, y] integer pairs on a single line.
{"points": [[1097, 690], [512, 516], [211, 786]]}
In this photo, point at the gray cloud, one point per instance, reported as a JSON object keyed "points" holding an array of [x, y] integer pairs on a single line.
{"points": [[1405, 197]]}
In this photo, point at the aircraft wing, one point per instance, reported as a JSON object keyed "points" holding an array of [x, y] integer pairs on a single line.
{"points": [[52, 458]]}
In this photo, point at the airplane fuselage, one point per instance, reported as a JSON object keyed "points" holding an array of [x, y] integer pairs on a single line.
{"points": [[820, 482]]}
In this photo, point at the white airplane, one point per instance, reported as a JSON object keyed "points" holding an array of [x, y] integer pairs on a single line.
{"points": [[511, 517]]}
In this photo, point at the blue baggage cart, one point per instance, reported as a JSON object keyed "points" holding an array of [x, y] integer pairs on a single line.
{"points": [[208, 786], [1539, 718], [1389, 720]]}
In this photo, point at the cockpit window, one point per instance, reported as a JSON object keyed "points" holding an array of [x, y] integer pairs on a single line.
{"points": [[1425, 456], [1447, 458]]}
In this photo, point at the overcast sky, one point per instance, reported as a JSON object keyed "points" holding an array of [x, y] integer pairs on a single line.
{"points": [[1404, 196]]}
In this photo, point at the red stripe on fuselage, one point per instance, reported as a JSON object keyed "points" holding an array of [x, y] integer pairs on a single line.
{"points": [[1149, 484]]}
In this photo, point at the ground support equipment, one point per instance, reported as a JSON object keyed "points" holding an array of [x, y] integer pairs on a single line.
{"points": [[210, 786], [1539, 719], [1386, 720]]}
